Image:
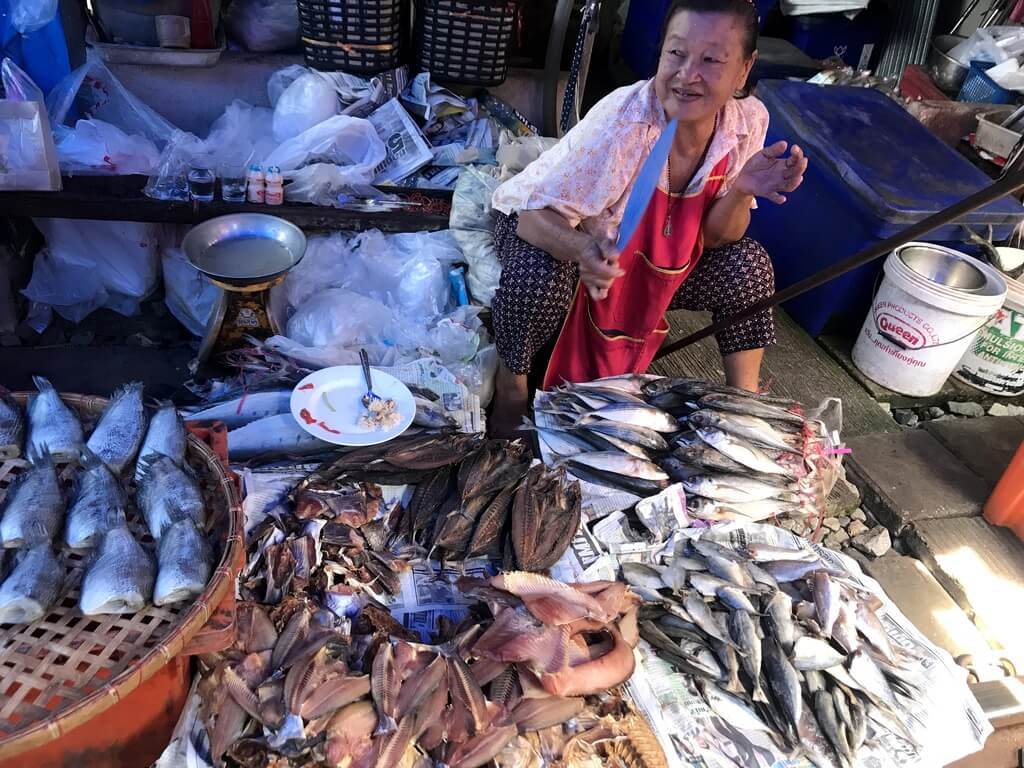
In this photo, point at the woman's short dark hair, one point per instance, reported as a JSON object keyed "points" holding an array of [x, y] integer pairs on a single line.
{"points": [[744, 10]]}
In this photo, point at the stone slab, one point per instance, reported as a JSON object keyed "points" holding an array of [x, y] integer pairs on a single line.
{"points": [[839, 347], [985, 445], [982, 568], [797, 367], [928, 606], [911, 476]]}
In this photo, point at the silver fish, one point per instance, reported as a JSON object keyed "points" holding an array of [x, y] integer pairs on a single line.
{"points": [[825, 711], [863, 669], [844, 631], [184, 563], [621, 464], [12, 427], [706, 584], [52, 426], [749, 428], [813, 741], [32, 588], [869, 625], [744, 511], [732, 709], [736, 488], [638, 416], [731, 663], [242, 410], [432, 415], [648, 439], [98, 505], [827, 597], [766, 553], [703, 617], [761, 576], [742, 629], [730, 570], [643, 575], [165, 436], [633, 383], [735, 599], [698, 388], [119, 579], [812, 653], [562, 444], [122, 426], [33, 508], [779, 620], [167, 494], [792, 570], [627, 447], [278, 435], [750, 406], [742, 452], [783, 682]]}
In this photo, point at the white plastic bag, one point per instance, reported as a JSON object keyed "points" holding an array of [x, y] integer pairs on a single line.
{"points": [[170, 180], [321, 183], [308, 101], [188, 294], [92, 264], [339, 318], [28, 16], [341, 140], [279, 81], [92, 91], [96, 146], [243, 132], [264, 26], [472, 226]]}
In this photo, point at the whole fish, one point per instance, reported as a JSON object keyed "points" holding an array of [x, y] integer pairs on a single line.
{"points": [[33, 587], [825, 711], [704, 618], [165, 436], [12, 426], [638, 416], [729, 569], [167, 494], [736, 599], [646, 438], [792, 570], [813, 742], [783, 682], [432, 415], [707, 584], [778, 620], [562, 444], [869, 625], [632, 383], [749, 511], [750, 406], [766, 553], [98, 505], [643, 575], [737, 488], [761, 576], [732, 709], [119, 578], [812, 653], [749, 428], [242, 410], [700, 455], [278, 435], [621, 464], [844, 632], [635, 485], [827, 597], [52, 426], [870, 677], [33, 507], [741, 453], [702, 657], [118, 435], [698, 388], [184, 563], [742, 629]]}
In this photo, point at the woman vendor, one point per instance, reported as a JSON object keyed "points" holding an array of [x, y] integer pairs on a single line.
{"points": [[563, 278]]}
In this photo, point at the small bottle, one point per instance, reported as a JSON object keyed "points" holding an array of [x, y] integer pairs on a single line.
{"points": [[275, 186], [255, 184]]}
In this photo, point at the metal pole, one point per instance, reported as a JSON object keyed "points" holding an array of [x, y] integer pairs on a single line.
{"points": [[1001, 188]]}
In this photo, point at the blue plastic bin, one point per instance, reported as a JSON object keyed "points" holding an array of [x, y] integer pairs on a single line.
{"points": [[873, 171], [980, 88], [824, 35], [643, 28]]}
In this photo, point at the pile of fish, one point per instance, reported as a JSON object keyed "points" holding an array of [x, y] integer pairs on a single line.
{"points": [[306, 685], [95, 518], [739, 455], [473, 498], [777, 643]]}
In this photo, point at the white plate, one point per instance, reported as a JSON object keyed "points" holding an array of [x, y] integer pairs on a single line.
{"points": [[329, 402]]}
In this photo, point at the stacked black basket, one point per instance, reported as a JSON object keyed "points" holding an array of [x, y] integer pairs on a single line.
{"points": [[358, 36], [464, 41]]}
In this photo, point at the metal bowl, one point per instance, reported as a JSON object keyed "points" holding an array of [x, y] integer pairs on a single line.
{"points": [[943, 266], [245, 265], [948, 73]]}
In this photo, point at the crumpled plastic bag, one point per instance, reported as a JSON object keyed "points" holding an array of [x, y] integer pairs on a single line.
{"points": [[321, 183], [263, 26], [472, 226], [188, 293], [517, 152], [337, 317], [96, 146], [91, 264], [28, 16], [18, 86], [342, 140], [170, 180], [243, 131], [307, 101], [92, 91]]}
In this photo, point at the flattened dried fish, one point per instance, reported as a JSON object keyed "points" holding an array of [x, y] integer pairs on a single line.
{"points": [[31, 589], [118, 435], [52, 426], [33, 507]]}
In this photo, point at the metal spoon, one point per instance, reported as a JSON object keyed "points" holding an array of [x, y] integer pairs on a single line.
{"points": [[369, 397]]}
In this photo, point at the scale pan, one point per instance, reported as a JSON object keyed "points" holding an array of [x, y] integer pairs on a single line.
{"points": [[244, 248]]}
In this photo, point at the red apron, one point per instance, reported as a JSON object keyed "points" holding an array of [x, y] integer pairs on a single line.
{"points": [[622, 332]]}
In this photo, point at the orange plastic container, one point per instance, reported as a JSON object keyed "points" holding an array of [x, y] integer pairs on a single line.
{"points": [[1006, 504]]}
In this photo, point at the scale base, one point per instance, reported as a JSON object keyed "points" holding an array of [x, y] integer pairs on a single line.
{"points": [[238, 316]]}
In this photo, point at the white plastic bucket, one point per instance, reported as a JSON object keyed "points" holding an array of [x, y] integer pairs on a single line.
{"points": [[922, 320], [994, 362]]}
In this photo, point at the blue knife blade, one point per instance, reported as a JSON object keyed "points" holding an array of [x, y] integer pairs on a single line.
{"points": [[646, 183]]}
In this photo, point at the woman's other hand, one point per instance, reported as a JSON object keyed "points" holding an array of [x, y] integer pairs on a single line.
{"points": [[770, 173], [599, 267]]}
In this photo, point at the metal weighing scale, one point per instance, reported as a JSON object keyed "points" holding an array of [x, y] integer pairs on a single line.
{"points": [[245, 254]]}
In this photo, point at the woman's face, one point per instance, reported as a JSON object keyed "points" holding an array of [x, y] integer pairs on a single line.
{"points": [[702, 64]]}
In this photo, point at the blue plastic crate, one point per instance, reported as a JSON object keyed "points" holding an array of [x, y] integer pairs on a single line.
{"points": [[979, 87]]}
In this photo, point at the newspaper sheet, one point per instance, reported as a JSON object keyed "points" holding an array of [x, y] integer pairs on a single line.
{"points": [[408, 151], [458, 401], [430, 101], [946, 719], [429, 593]]}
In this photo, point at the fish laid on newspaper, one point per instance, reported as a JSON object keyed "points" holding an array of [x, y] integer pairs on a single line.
{"points": [[12, 426], [811, 670], [119, 432], [52, 426], [246, 409]]}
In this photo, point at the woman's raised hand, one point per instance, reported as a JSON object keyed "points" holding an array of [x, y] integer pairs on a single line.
{"points": [[770, 173], [599, 267]]}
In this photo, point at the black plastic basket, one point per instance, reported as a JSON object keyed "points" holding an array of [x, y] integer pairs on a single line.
{"points": [[358, 36], [464, 41]]}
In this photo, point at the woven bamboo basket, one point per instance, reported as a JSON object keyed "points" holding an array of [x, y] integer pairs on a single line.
{"points": [[58, 673]]}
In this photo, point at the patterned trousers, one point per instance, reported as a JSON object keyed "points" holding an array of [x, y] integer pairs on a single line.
{"points": [[536, 291]]}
